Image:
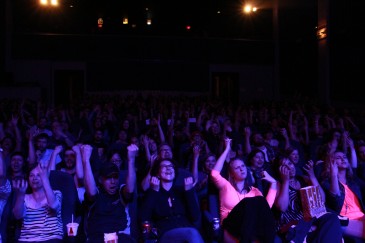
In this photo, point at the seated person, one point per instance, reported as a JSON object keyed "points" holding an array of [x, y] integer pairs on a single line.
{"points": [[256, 167], [108, 202], [71, 163], [233, 207], [344, 193], [40, 210], [289, 212], [172, 209], [5, 191]]}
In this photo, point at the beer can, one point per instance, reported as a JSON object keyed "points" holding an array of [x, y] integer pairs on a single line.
{"points": [[216, 223], [146, 227]]}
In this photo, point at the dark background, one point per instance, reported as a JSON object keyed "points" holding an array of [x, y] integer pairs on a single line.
{"points": [[150, 57]]}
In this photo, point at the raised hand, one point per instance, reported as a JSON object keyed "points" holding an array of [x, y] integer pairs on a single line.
{"points": [[196, 151], [267, 177], [20, 186], [333, 166], [58, 149], [43, 171], [77, 148], [86, 152], [309, 168], [189, 183], [227, 142], [284, 173], [155, 183], [132, 151]]}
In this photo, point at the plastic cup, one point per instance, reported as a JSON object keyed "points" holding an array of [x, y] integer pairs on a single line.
{"points": [[72, 229], [110, 238]]}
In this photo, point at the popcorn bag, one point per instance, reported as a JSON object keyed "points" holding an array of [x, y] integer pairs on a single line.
{"points": [[312, 203]]}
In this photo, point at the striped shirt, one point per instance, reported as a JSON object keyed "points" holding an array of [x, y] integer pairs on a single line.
{"points": [[294, 211], [41, 223], [5, 191]]}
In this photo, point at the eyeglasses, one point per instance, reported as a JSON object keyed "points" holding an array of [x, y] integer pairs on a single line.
{"points": [[167, 167]]}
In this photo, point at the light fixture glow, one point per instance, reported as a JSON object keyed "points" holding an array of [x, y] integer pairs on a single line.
{"points": [[100, 22], [322, 32], [247, 9], [54, 2]]}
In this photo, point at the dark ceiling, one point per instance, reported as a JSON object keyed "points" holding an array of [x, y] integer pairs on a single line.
{"points": [[207, 18]]}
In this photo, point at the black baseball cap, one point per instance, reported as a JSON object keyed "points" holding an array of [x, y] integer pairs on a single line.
{"points": [[108, 169]]}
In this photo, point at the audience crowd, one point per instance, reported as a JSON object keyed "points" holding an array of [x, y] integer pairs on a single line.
{"points": [[146, 167]]}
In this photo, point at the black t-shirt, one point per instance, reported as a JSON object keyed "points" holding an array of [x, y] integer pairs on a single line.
{"points": [[106, 214]]}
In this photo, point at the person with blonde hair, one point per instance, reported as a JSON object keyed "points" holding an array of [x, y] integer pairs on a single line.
{"points": [[245, 215]]}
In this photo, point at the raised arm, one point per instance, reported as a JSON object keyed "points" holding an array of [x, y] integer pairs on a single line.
{"points": [[170, 130], [89, 181], [282, 199], [334, 187], [52, 161], [306, 130], [291, 130], [146, 181], [222, 158], [349, 143], [131, 176], [284, 134], [17, 133], [52, 201], [309, 169], [146, 143], [32, 158], [194, 168], [79, 169], [160, 131]]}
